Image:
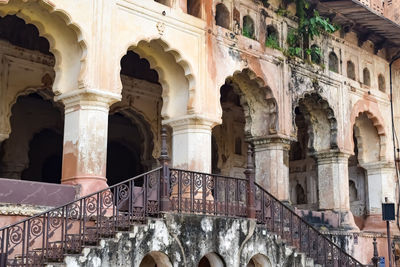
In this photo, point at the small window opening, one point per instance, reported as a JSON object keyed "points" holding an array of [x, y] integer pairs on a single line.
{"points": [[222, 16], [333, 62], [194, 8], [351, 70], [248, 27], [381, 83], [315, 54], [366, 77], [272, 39]]}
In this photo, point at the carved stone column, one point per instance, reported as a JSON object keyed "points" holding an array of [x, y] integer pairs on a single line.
{"points": [[272, 165], [333, 187], [333, 181], [191, 143], [381, 184], [85, 138]]}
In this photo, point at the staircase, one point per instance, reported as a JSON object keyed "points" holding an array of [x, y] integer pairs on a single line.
{"points": [[49, 237]]}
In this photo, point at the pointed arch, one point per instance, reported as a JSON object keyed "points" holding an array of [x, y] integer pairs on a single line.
{"points": [[258, 102], [175, 75], [371, 111], [322, 122], [65, 38]]}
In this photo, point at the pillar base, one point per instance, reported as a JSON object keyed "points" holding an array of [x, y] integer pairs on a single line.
{"points": [[87, 184], [347, 221]]}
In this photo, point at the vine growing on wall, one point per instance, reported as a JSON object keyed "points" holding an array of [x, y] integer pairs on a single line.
{"points": [[310, 25]]}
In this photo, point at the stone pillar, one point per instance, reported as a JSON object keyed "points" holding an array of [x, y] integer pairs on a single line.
{"points": [[333, 187], [85, 138], [191, 143], [333, 181], [272, 166], [380, 184]]}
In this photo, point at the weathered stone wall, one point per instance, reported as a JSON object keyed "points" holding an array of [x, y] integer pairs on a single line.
{"points": [[186, 239]]}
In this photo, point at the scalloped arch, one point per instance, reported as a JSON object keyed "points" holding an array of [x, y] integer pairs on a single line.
{"points": [[259, 104], [65, 37], [175, 74], [315, 99], [372, 111]]}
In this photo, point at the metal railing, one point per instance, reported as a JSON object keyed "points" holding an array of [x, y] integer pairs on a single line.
{"points": [[48, 236]]}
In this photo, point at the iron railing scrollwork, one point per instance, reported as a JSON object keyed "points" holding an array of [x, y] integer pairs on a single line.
{"points": [[46, 237], [282, 220], [65, 230]]}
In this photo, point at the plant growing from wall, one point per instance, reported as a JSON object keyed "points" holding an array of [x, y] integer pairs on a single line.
{"points": [[272, 41], [310, 25]]}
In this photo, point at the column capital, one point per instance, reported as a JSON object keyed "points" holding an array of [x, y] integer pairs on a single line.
{"points": [[191, 122], [88, 97], [377, 167], [331, 156], [270, 141]]}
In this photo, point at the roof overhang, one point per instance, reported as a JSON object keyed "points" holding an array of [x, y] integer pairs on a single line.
{"points": [[366, 22]]}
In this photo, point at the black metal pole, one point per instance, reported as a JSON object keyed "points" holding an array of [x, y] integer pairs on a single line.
{"points": [[389, 246], [394, 59]]}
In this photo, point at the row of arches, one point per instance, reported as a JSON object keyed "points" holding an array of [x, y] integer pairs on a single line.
{"points": [[249, 111], [212, 259], [247, 26], [34, 148]]}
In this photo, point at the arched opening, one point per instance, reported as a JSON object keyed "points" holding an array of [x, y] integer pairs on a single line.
{"points": [[222, 16], [155, 259], [228, 135], [131, 133], [316, 133], [366, 77], [259, 260], [315, 54], [248, 28], [351, 70], [34, 149], [381, 83], [66, 41], [367, 149], [211, 260], [29, 117], [302, 167], [272, 38], [248, 110], [333, 62], [194, 7]]}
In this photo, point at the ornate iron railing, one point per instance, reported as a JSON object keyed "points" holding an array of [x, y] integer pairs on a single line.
{"points": [[282, 220], [196, 192], [48, 236]]}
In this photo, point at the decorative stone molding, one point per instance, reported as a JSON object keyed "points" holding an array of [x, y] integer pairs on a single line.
{"points": [[331, 156], [21, 209], [192, 122], [266, 141], [88, 98]]}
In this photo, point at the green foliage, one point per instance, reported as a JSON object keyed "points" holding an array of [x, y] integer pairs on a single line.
{"points": [[282, 12], [310, 25], [272, 41], [248, 28], [315, 53]]}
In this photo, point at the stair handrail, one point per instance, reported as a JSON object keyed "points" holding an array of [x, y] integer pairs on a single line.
{"points": [[303, 221], [80, 198], [20, 238]]}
